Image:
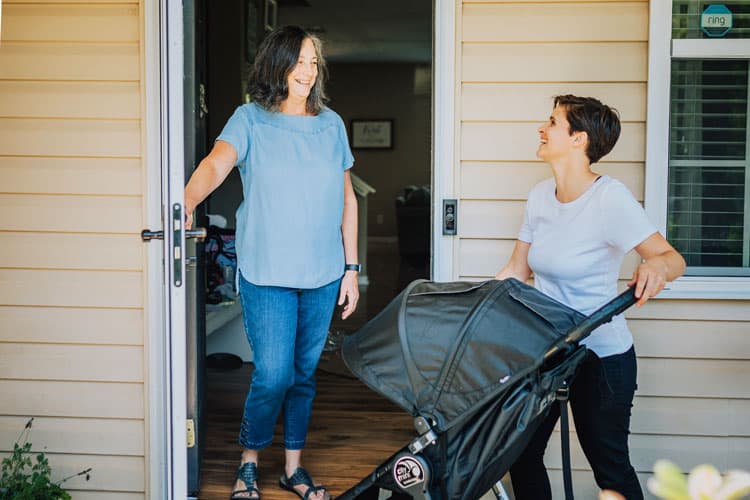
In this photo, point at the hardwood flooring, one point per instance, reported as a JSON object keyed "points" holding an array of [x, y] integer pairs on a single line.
{"points": [[353, 429]]}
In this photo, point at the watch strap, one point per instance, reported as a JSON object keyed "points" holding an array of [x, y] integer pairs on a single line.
{"points": [[353, 267]]}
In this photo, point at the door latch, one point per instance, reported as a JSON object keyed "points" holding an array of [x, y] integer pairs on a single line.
{"points": [[177, 252]]}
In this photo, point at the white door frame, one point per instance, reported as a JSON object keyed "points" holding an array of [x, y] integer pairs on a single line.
{"points": [[163, 143], [173, 194], [165, 316], [444, 135]]}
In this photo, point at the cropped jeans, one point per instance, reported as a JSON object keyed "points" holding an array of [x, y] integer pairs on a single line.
{"points": [[287, 329], [601, 398]]}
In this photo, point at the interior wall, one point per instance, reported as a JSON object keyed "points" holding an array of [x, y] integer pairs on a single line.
{"points": [[226, 67], [357, 91], [385, 91]]}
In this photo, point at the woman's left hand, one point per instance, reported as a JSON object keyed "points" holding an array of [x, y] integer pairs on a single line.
{"points": [[649, 279], [661, 263], [349, 293]]}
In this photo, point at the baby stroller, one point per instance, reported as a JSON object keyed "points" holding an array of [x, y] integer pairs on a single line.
{"points": [[478, 366]]}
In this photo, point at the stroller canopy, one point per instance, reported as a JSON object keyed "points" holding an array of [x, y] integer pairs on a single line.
{"points": [[440, 350]]}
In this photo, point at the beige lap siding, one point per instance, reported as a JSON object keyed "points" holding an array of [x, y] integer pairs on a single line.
{"points": [[71, 260], [514, 56]]}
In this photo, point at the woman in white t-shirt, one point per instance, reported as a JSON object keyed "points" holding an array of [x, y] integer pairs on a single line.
{"points": [[577, 228]]}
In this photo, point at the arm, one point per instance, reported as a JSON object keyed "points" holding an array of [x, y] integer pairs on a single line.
{"points": [[518, 264], [661, 263], [211, 172], [349, 284]]}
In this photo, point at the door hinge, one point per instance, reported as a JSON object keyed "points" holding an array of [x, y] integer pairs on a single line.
{"points": [[190, 433]]}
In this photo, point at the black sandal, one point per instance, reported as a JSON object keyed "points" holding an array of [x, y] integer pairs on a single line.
{"points": [[248, 474], [301, 477]]}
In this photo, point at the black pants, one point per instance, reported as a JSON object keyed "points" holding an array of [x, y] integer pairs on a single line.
{"points": [[601, 397]]}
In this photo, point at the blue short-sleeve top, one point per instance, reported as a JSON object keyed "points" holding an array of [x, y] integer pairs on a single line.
{"points": [[292, 169]]}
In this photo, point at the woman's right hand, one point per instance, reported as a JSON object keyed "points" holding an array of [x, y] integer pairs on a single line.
{"points": [[211, 172], [518, 264]]}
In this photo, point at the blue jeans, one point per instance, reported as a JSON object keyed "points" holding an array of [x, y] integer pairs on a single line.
{"points": [[287, 329], [601, 397]]}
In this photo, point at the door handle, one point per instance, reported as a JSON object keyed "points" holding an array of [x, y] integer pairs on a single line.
{"points": [[198, 233], [176, 252], [148, 235]]}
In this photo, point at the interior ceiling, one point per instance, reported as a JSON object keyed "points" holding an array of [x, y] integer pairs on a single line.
{"points": [[365, 30]]}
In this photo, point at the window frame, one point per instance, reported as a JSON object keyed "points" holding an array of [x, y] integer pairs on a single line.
{"points": [[661, 51]]}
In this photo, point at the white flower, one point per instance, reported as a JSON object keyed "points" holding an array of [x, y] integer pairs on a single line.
{"points": [[736, 485], [668, 481], [703, 483]]}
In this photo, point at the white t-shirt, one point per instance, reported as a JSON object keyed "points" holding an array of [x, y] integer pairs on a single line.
{"points": [[577, 250]]}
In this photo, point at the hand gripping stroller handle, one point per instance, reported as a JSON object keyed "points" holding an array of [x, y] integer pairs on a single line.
{"points": [[602, 315]]}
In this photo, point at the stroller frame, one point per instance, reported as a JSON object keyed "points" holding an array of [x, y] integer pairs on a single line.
{"points": [[407, 473]]}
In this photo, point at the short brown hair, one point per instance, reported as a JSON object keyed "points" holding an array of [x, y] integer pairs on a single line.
{"points": [[276, 58], [600, 122]]}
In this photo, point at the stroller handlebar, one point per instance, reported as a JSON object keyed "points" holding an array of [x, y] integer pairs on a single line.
{"points": [[602, 315]]}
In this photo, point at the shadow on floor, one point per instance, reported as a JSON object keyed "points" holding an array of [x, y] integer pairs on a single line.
{"points": [[389, 273]]}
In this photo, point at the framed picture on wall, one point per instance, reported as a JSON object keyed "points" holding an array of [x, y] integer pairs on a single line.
{"points": [[372, 134]]}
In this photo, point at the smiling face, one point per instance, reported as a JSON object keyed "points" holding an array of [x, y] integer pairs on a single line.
{"points": [[303, 75], [554, 136]]}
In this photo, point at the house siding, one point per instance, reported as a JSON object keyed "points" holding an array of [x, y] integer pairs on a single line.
{"points": [[72, 184], [692, 404], [72, 296]]}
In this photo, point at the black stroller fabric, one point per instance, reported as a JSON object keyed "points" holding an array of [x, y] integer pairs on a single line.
{"points": [[469, 357]]}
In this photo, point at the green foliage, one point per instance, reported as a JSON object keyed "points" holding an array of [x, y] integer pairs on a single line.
{"points": [[22, 478]]}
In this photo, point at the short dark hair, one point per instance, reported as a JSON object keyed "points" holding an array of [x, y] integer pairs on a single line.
{"points": [[276, 58], [600, 122]]}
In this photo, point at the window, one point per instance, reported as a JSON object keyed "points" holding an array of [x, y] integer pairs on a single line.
{"points": [[707, 185], [698, 164]]}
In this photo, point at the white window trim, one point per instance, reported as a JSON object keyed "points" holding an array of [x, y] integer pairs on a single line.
{"points": [[661, 49], [732, 48]]}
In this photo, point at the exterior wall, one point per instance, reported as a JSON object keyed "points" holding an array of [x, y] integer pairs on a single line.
{"points": [[692, 406], [71, 260]]}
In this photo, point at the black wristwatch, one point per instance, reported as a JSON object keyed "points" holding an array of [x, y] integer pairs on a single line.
{"points": [[353, 267]]}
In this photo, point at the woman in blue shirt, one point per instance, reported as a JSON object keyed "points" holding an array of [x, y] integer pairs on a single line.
{"points": [[296, 241]]}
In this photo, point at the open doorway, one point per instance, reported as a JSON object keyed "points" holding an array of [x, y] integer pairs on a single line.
{"points": [[379, 57]]}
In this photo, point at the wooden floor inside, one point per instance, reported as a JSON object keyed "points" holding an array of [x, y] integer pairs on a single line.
{"points": [[353, 429]]}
